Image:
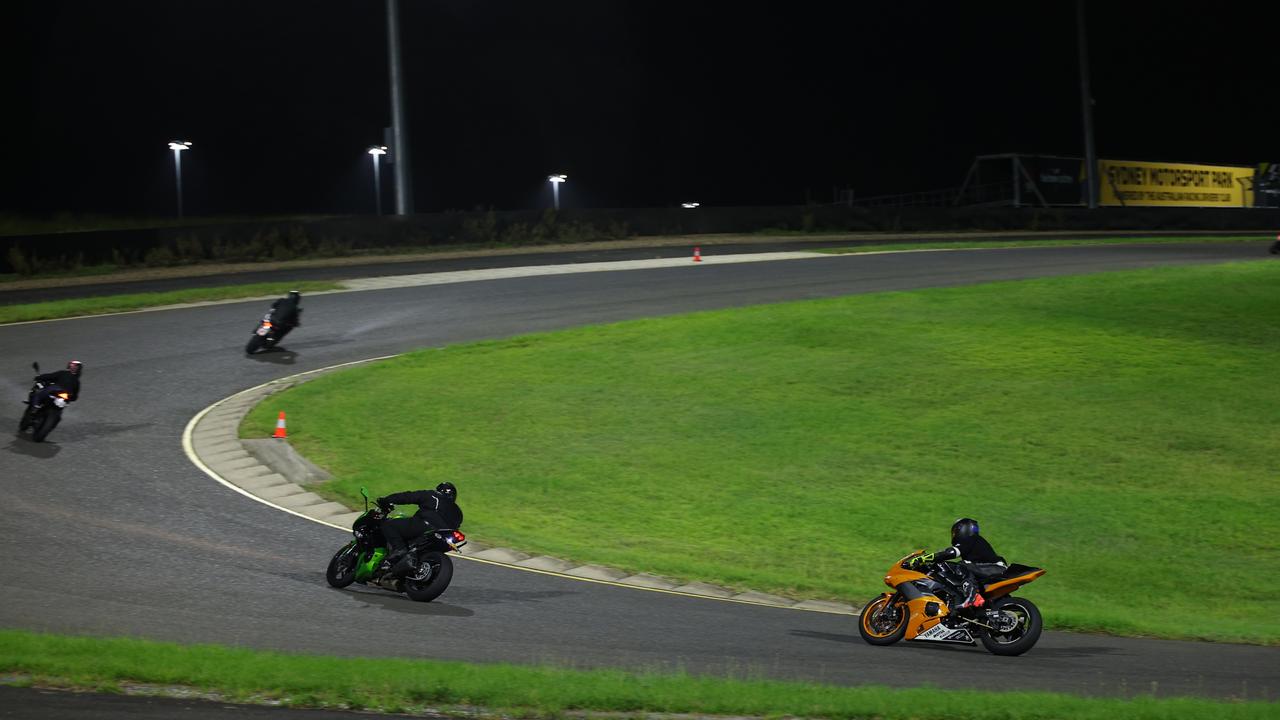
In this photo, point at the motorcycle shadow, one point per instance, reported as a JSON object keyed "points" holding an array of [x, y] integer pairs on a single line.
{"points": [[92, 428], [400, 604], [275, 356], [23, 445], [856, 639]]}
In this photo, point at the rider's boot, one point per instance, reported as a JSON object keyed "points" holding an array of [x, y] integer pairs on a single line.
{"points": [[972, 598]]}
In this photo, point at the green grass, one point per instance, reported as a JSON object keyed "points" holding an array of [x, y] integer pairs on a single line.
{"points": [[393, 685], [1119, 430], [1060, 242], [121, 303]]}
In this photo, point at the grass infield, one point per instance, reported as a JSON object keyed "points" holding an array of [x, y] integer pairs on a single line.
{"points": [[1117, 429], [395, 685], [122, 303]]}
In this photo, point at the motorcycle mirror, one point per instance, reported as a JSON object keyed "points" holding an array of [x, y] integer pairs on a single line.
{"points": [[35, 366], [365, 493]]}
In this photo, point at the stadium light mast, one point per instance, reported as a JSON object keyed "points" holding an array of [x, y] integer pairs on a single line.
{"points": [[1086, 107], [399, 128], [177, 146]]}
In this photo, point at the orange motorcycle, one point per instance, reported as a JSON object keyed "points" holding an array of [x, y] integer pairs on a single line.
{"points": [[921, 608]]}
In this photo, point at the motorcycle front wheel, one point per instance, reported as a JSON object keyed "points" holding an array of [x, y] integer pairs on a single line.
{"points": [[1025, 626], [434, 575], [882, 624], [46, 424], [255, 342], [342, 568], [25, 422]]}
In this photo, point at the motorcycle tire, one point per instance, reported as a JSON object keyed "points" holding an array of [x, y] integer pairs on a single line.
{"points": [[342, 568], [255, 342], [879, 635], [26, 421], [1275, 248], [46, 425], [1030, 621], [441, 576]]}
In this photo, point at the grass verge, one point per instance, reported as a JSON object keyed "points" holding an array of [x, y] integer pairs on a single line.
{"points": [[1117, 429], [1062, 242], [394, 685], [121, 303]]}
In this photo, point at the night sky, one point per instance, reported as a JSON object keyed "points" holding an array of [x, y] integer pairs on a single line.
{"points": [[643, 103]]}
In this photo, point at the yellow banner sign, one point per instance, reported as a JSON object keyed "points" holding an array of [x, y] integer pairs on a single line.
{"points": [[1131, 183]]}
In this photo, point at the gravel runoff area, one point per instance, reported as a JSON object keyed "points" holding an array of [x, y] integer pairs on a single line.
{"points": [[271, 472]]}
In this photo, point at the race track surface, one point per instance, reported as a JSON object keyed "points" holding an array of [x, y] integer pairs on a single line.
{"points": [[112, 531]]}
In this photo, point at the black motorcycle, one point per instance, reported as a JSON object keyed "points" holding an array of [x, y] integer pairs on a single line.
{"points": [[266, 336], [364, 559], [44, 419]]}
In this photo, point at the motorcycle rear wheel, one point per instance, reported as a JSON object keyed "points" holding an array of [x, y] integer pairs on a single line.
{"points": [[879, 631], [45, 424], [342, 568], [441, 575], [1023, 636]]}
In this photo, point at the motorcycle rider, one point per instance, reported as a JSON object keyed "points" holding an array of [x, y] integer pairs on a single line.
{"points": [[976, 559], [67, 381], [286, 313], [437, 509]]}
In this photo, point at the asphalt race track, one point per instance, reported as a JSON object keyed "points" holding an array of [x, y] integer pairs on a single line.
{"points": [[111, 530]]}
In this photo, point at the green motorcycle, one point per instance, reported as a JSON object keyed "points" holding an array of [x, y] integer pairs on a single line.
{"points": [[363, 560]]}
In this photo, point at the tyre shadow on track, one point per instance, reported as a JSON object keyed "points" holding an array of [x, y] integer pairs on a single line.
{"points": [[1038, 651], [403, 605], [275, 356], [22, 444], [72, 432]]}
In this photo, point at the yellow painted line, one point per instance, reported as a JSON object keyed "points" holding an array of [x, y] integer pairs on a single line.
{"points": [[188, 447]]}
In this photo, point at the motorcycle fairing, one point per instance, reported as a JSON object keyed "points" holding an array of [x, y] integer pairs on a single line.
{"points": [[368, 563], [1015, 577], [942, 633], [919, 621]]}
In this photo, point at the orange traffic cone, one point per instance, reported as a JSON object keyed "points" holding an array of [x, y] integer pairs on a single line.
{"points": [[697, 254], [280, 431]]}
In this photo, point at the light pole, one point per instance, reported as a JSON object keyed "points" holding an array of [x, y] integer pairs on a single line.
{"points": [[177, 146], [1086, 109], [555, 181], [375, 152], [399, 126]]}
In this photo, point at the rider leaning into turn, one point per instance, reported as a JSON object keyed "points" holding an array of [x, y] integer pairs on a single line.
{"points": [[67, 381], [286, 313], [437, 509], [976, 559]]}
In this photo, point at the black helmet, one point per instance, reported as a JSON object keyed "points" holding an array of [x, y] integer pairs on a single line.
{"points": [[75, 366], [448, 490], [294, 295], [964, 528]]}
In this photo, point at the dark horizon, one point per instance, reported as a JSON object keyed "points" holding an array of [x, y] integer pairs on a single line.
{"points": [[641, 104]]}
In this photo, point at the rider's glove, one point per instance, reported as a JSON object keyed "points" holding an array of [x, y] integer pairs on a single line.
{"points": [[383, 503], [920, 560]]}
